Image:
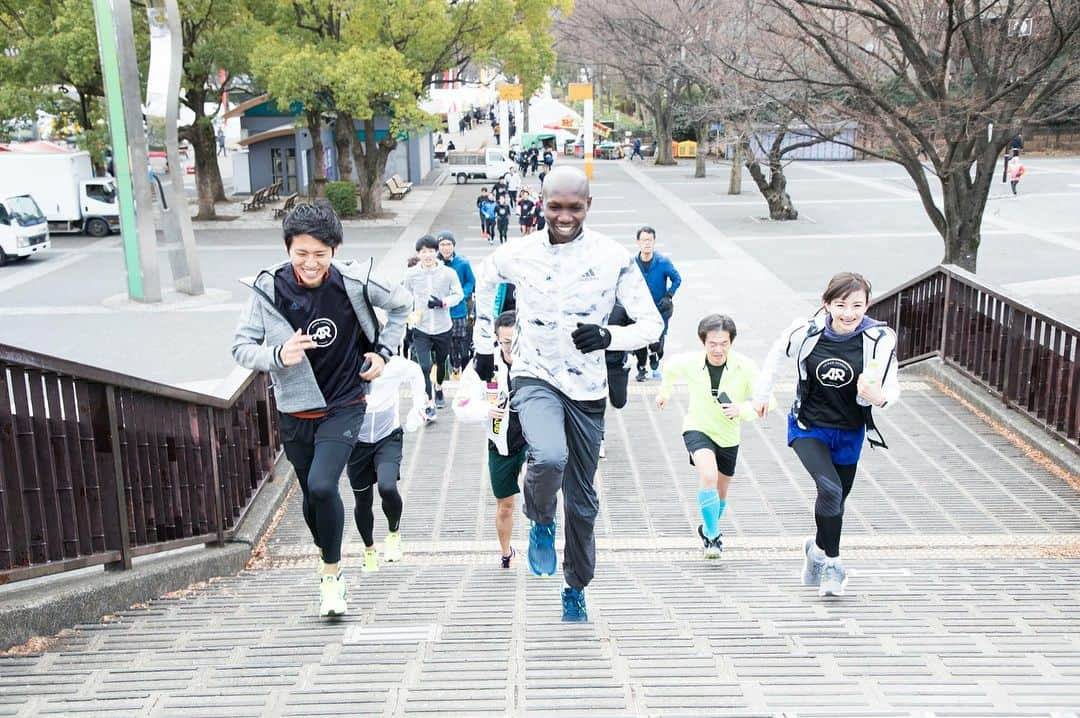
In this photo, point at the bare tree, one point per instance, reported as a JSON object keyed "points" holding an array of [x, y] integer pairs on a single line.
{"points": [[724, 64], [938, 87], [645, 43]]}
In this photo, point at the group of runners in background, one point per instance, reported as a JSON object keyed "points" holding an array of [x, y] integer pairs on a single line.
{"points": [[554, 322]]}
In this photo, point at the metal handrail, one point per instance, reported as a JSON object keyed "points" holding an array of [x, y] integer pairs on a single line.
{"points": [[1025, 356], [99, 467]]}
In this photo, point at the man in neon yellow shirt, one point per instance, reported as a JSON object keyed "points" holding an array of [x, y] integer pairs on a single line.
{"points": [[720, 384]]}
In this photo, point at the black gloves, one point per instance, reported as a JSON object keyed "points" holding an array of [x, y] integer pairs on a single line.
{"points": [[435, 302], [665, 305], [484, 364], [591, 338]]}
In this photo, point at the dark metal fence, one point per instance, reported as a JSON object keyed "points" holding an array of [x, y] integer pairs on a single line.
{"points": [[1029, 359], [98, 467]]}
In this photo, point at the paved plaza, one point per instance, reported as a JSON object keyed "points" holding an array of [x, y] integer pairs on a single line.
{"points": [[963, 598], [964, 552]]}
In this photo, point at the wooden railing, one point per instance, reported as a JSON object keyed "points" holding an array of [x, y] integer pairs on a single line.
{"points": [[98, 467], [1027, 358]]}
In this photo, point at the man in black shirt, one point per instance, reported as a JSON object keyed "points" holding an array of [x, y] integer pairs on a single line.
{"points": [[502, 217], [312, 325]]}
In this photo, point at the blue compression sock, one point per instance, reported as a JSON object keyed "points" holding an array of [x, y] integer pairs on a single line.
{"points": [[708, 501], [720, 506]]}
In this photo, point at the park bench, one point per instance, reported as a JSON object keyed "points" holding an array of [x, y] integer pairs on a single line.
{"points": [[397, 187], [274, 193], [284, 209], [256, 200]]}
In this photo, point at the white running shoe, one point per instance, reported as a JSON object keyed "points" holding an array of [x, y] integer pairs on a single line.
{"points": [[332, 589], [813, 563], [713, 547], [833, 578]]}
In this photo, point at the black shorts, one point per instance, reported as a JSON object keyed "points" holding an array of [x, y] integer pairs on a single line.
{"points": [[725, 455], [368, 460]]}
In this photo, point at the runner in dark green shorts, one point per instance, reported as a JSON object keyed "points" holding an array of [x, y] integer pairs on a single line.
{"points": [[506, 441]]}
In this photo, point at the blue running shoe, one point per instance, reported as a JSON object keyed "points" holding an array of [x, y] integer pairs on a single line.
{"points": [[542, 549], [573, 606]]}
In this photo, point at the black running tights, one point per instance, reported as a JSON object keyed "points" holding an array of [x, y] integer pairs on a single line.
{"points": [[391, 504], [318, 469], [833, 486]]}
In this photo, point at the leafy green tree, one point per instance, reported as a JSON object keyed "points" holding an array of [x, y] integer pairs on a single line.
{"points": [[299, 75], [218, 41], [387, 53], [50, 61]]}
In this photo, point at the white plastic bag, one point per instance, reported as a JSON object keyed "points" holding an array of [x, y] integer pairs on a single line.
{"points": [[470, 402]]}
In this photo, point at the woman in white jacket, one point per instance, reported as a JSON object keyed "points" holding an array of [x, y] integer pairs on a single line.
{"points": [[846, 366]]}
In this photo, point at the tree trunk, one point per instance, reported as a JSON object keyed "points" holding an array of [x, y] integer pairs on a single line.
{"points": [[735, 179], [699, 160], [370, 158], [207, 172], [773, 189], [663, 120], [204, 143], [343, 141], [964, 202], [317, 187]]}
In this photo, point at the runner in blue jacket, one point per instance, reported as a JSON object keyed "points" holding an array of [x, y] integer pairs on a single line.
{"points": [[663, 281], [461, 342]]}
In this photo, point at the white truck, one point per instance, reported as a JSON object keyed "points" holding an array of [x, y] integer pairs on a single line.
{"points": [[23, 229], [489, 163], [64, 187]]}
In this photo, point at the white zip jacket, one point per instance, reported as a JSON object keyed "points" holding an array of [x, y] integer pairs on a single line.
{"points": [[799, 340], [440, 281], [384, 400], [558, 287]]}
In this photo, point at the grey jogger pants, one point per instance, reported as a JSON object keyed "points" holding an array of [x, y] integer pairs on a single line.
{"points": [[564, 446]]}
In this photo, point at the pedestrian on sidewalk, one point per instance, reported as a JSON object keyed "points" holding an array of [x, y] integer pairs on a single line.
{"points": [[567, 283], [502, 217], [534, 159], [663, 281], [1015, 147], [513, 185], [549, 160], [846, 366], [461, 341], [483, 197], [1016, 171], [310, 323], [720, 385], [637, 150], [490, 403], [487, 210], [539, 222], [434, 288], [526, 215], [221, 142], [377, 458]]}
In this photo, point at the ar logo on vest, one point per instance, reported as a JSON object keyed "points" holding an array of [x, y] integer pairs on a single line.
{"points": [[835, 373], [322, 331]]}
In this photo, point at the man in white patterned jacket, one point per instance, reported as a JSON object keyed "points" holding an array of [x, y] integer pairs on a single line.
{"points": [[567, 282]]}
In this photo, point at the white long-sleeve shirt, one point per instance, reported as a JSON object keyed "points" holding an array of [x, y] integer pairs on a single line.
{"points": [[558, 287], [440, 282], [384, 399]]}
